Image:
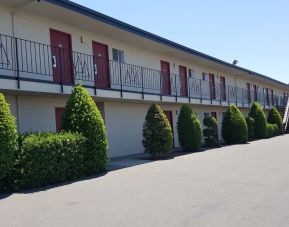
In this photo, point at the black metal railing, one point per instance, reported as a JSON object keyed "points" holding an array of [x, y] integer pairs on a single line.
{"points": [[27, 60]]}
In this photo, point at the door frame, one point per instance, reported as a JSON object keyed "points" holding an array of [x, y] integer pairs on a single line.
{"points": [[186, 81], [107, 54], [70, 53], [212, 86], [169, 74]]}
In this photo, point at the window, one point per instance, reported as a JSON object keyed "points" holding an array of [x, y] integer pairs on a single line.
{"points": [[204, 76], [191, 73], [206, 115], [118, 55]]}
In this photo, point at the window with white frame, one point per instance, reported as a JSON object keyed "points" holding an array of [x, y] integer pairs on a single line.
{"points": [[204, 76], [191, 73], [118, 55]]}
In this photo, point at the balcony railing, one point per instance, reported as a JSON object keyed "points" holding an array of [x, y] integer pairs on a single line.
{"points": [[27, 60]]}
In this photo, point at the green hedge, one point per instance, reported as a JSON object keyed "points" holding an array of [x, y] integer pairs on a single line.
{"points": [[189, 129], [210, 132], [234, 127], [49, 158], [251, 128], [274, 117], [8, 143], [270, 131], [276, 131], [81, 115], [157, 132], [258, 115]]}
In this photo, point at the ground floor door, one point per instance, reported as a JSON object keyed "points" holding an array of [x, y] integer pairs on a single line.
{"points": [[169, 115], [58, 117], [212, 86], [183, 81], [165, 74], [101, 67], [61, 52]]}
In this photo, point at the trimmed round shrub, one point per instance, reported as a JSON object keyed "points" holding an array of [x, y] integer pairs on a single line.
{"points": [[157, 132], [251, 128], [258, 115], [234, 127], [210, 132], [270, 131], [49, 158], [276, 131], [274, 117], [8, 142], [82, 115], [189, 129]]}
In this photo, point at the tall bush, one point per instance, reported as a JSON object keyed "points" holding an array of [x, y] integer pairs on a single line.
{"points": [[81, 115], [270, 131], [258, 115], [189, 129], [8, 142], [211, 131], [157, 132], [234, 127], [276, 131], [274, 117], [49, 158], [251, 128]]}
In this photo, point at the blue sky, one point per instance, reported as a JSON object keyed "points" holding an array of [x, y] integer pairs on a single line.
{"points": [[255, 32]]}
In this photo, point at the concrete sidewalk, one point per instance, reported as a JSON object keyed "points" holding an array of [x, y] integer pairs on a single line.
{"points": [[241, 185]]}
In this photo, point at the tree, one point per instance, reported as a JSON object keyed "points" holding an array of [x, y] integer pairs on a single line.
{"points": [[8, 142], [258, 115], [274, 117], [234, 127], [157, 132], [82, 115], [211, 131], [189, 129], [251, 128]]}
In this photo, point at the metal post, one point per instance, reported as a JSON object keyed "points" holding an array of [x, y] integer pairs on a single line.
{"points": [[120, 75], [201, 92], [61, 71], [17, 63], [142, 83], [189, 89], [176, 87]]}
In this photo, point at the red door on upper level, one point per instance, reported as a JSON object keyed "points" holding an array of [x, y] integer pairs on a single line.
{"points": [[100, 62], [183, 80], [212, 86], [165, 74], [255, 92], [61, 52], [223, 88], [249, 92]]}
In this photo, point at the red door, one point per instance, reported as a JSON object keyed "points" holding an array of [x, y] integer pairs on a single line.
{"points": [[169, 115], [214, 114], [183, 80], [223, 88], [272, 97], [165, 74], [58, 116], [249, 92], [212, 86], [255, 92], [61, 52], [100, 61], [267, 96]]}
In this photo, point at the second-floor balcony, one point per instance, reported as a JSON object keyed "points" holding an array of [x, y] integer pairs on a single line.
{"points": [[24, 60]]}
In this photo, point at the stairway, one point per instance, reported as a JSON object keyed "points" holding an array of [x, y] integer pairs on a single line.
{"points": [[284, 111]]}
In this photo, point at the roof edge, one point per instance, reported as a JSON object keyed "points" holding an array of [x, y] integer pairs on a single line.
{"points": [[140, 32]]}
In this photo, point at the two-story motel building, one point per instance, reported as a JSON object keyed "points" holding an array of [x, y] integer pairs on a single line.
{"points": [[47, 46]]}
